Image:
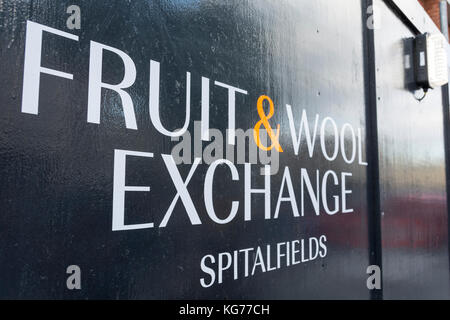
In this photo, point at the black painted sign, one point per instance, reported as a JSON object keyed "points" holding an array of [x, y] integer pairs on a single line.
{"points": [[191, 149]]}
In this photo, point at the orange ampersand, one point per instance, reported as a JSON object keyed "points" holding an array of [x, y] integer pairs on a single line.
{"points": [[264, 121]]}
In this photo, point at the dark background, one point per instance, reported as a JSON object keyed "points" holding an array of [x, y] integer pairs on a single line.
{"points": [[56, 169]]}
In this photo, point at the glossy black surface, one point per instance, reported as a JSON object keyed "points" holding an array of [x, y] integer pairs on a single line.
{"points": [[56, 169], [412, 173]]}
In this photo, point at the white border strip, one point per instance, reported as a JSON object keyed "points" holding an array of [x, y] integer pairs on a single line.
{"points": [[418, 17]]}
